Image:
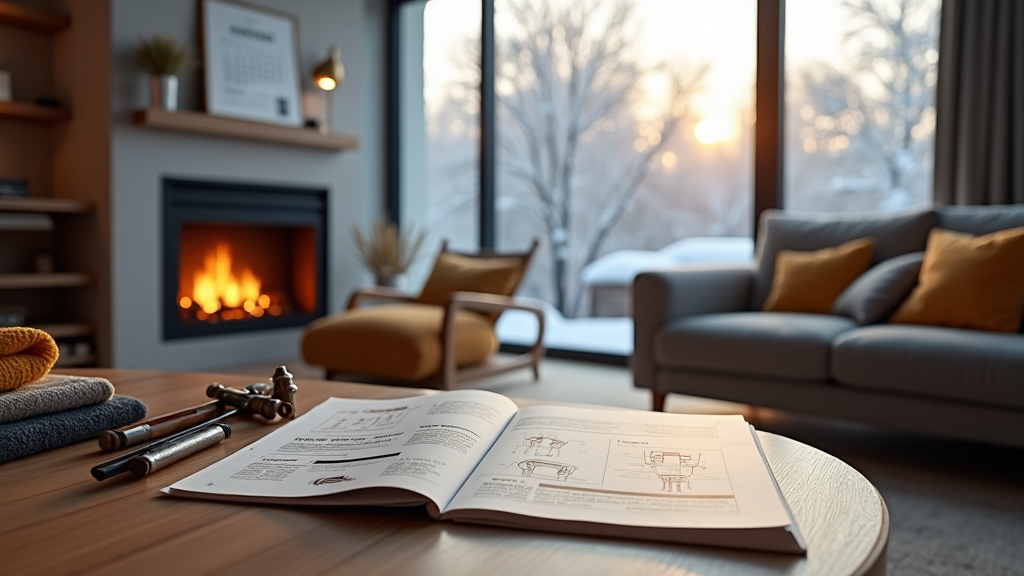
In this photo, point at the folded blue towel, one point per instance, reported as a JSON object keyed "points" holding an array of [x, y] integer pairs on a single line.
{"points": [[41, 433]]}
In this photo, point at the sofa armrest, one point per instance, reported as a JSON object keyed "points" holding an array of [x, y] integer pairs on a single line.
{"points": [[662, 296]]}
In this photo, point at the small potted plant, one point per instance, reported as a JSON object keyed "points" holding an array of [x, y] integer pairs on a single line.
{"points": [[386, 253], [163, 58]]}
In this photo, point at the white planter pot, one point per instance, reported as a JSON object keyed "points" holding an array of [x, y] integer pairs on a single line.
{"points": [[163, 91]]}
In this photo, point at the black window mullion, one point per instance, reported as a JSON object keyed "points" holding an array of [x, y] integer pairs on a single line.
{"points": [[770, 90], [487, 127], [393, 159]]}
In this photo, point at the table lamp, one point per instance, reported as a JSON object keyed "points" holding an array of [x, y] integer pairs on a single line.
{"points": [[329, 75]]}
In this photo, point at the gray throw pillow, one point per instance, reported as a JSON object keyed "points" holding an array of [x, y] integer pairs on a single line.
{"points": [[877, 293]]}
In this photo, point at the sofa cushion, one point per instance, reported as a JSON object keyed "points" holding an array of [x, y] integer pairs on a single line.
{"points": [[873, 296], [765, 344], [980, 220], [981, 367], [969, 281], [811, 281], [893, 235]]}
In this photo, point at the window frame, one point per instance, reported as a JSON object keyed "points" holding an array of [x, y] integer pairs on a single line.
{"points": [[768, 128]]}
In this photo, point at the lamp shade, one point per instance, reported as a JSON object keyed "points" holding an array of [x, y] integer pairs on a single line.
{"points": [[330, 73]]}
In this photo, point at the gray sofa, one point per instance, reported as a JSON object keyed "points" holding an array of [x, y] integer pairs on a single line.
{"points": [[700, 331]]}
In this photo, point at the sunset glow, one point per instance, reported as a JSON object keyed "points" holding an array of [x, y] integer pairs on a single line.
{"points": [[713, 130]]}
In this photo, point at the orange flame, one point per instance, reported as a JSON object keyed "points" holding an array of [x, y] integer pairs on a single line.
{"points": [[216, 286]]}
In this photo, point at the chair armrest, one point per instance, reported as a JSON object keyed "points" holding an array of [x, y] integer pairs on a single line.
{"points": [[662, 296], [493, 303], [479, 302], [378, 293]]}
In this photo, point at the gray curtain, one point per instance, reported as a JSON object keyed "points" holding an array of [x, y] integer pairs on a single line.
{"points": [[979, 133]]}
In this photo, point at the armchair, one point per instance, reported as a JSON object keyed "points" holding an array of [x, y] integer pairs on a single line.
{"points": [[441, 338]]}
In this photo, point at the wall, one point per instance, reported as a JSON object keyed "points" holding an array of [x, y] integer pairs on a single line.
{"points": [[141, 157]]}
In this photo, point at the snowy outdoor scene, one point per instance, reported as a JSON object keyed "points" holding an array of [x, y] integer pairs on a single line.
{"points": [[625, 136]]}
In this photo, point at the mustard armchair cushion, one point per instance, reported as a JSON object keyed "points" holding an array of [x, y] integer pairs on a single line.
{"points": [[458, 273], [396, 342]]}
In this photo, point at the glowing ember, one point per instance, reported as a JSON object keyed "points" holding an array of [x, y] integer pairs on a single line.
{"points": [[218, 293]]}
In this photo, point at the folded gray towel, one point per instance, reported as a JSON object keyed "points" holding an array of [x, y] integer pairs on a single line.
{"points": [[40, 433], [53, 393]]}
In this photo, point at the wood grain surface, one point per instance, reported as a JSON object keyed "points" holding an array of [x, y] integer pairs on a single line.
{"points": [[201, 123], [56, 519]]}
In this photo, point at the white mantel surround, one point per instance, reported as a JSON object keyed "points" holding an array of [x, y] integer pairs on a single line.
{"points": [[141, 158]]}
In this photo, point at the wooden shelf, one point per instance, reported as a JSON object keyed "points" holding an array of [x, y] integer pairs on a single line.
{"points": [[31, 19], [56, 280], [33, 112], [200, 123], [58, 331], [41, 204]]}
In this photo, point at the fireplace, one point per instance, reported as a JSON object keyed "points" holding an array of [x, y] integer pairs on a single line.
{"points": [[241, 257]]}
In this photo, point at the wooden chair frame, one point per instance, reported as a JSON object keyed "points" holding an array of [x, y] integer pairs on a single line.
{"points": [[450, 375]]}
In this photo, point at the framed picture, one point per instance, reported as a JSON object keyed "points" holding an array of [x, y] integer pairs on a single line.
{"points": [[251, 57]]}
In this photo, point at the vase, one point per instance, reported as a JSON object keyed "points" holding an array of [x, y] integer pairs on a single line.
{"points": [[163, 91], [386, 281]]}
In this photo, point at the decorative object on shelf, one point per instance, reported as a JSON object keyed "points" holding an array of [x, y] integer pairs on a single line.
{"points": [[251, 58], [386, 253], [12, 316], [329, 75], [25, 222], [163, 58], [14, 187], [5, 86], [44, 263]]}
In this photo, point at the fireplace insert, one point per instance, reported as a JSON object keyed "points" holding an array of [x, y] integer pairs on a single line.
{"points": [[241, 257]]}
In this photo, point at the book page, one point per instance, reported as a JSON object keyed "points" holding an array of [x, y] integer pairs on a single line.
{"points": [[626, 467], [425, 444]]}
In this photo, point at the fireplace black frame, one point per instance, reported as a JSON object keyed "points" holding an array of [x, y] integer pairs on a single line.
{"points": [[203, 202]]}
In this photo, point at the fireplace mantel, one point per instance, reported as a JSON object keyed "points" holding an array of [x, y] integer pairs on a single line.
{"points": [[200, 123]]}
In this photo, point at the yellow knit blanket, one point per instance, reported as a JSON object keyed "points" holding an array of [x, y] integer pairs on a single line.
{"points": [[26, 355]]}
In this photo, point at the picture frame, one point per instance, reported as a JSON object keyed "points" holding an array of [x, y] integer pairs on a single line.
{"points": [[252, 69]]}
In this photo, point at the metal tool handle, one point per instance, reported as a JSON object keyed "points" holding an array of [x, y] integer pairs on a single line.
{"points": [[145, 464], [119, 465]]}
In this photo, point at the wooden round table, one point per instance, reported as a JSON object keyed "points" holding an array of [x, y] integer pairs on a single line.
{"points": [[57, 520]]}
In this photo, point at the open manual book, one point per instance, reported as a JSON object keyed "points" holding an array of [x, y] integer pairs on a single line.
{"points": [[473, 456]]}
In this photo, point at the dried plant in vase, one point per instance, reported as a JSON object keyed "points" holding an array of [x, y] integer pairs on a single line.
{"points": [[163, 58], [386, 253]]}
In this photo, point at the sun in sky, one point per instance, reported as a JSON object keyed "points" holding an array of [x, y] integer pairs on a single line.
{"points": [[714, 129]]}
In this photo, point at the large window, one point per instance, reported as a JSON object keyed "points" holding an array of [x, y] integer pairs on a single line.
{"points": [[623, 134], [860, 104], [622, 128], [441, 132]]}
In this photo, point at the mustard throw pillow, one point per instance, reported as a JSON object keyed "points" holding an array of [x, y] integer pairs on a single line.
{"points": [[811, 281], [457, 273], [969, 282]]}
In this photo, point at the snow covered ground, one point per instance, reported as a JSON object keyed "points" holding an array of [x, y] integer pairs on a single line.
{"points": [[615, 335], [620, 267], [597, 335]]}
